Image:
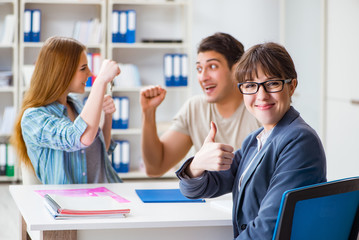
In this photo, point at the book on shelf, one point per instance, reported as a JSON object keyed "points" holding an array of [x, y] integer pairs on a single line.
{"points": [[7, 160], [88, 32], [94, 61], [2, 159], [5, 78], [129, 77], [8, 120], [8, 30], [84, 203], [10, 161]]}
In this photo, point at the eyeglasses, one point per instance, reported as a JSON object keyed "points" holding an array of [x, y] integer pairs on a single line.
{"points": [[270, 86]]}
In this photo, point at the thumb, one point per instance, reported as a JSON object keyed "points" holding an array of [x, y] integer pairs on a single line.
{"points": [[212, 133]]}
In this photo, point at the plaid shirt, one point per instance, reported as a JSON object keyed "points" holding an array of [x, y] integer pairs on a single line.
{"points": [[54, 147]]}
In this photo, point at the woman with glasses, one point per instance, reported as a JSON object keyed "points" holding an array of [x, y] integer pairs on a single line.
{"points": [[285, 153]]}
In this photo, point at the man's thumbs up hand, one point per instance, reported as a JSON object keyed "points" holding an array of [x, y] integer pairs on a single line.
{"points": [[212, 133], [212, 156]]}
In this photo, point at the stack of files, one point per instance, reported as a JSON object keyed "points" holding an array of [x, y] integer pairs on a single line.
{"points": [[88, 32], [5, 78], [175, 69], [121, 157], [129, 77], [8, 120], [32, 25], [121, 115], [123, 26], [27, 71], [163, 196], [61, 207], [8, 30]]}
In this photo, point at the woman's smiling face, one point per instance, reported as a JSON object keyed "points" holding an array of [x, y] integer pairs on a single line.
{"points": [[269, 108]]}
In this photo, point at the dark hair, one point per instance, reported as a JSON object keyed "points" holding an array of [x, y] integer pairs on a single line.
{"points": [[272, 58], [225, 44]]}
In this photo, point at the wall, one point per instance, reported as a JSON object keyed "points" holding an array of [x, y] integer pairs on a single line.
{"points": [[303, 36], [250, 21]]}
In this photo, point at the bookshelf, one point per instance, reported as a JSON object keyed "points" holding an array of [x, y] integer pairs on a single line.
{"points": [[58, 18], [155, 20], [8, 66]]}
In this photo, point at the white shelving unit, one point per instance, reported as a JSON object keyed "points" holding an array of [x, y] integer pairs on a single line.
{"points": [[9, 62], [58, 18], [155, 19]]}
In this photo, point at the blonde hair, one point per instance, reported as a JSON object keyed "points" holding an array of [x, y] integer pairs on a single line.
{"points": [[54, 69]]}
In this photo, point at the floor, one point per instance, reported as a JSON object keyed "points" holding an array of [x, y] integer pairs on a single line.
{"points": [[9, 215]]}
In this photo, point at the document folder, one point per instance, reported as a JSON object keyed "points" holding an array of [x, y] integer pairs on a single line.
{"points": [[27, 25], [163, 196], [115, 27], [36, 25], [131, 26]]}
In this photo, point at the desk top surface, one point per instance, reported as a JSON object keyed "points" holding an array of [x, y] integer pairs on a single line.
{"points": [[143, 215]]}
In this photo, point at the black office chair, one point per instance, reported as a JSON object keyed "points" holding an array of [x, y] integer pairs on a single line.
{"points": [[327, 211]]}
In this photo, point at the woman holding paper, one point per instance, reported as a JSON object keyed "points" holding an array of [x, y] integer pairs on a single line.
{"points": [[54, 134], [284, 154]]}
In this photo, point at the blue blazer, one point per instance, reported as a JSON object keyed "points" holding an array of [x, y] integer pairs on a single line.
{"points": [[292, 156]]}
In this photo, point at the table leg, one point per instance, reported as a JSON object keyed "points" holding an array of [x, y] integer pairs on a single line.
{"points": [[24, 235], [48, 235], [64, 234]]}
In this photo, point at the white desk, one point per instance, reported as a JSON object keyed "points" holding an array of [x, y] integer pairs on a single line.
{"points": [[146, 220]]}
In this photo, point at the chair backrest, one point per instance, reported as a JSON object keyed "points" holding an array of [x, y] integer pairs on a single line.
{"points": [[327, 210], [28, 176]]}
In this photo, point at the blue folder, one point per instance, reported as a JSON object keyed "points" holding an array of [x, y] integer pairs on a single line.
{"points": [[163, 196]]}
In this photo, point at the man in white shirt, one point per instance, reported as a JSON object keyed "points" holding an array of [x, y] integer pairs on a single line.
{"points": [[222, 103]]}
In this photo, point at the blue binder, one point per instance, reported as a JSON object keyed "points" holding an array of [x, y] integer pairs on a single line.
{"points": [[121, 157], [131, 26], [176, 69], [116, 117], [122, 26], [115, 26], [125, 111], [184, 70], [163, 196], [120, 118], [36, 25], [125, 157], [27, 25], [116, 157], [168, 69]]}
